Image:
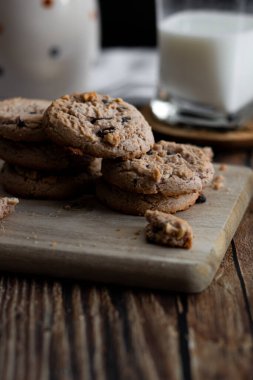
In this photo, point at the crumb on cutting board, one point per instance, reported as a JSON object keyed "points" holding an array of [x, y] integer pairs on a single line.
{"points": [[169, 230], [218, 182], [7, 206], [223, 167]]}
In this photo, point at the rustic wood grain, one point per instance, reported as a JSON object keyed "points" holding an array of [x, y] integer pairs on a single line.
{"points": [[219, 328], [220, 319]]}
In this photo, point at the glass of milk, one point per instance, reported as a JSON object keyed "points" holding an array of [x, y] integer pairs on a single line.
{"points": [[206, 62]]}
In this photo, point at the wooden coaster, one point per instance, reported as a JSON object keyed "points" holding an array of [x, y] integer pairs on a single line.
{"points": [[241, 138]]}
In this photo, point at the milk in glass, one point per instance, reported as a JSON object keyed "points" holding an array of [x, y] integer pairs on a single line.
{"points": [[207, 57]]}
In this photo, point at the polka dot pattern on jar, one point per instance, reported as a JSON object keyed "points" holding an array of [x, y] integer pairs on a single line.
{"points": [[93, 15], [47, 3], [54, 52]]}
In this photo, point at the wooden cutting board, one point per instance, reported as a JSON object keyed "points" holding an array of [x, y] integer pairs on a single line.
{"points": [[88, 241]]}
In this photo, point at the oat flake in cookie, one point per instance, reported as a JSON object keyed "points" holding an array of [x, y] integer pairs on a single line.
{"points": [[98, 125], [169, 168], [21, 119]]}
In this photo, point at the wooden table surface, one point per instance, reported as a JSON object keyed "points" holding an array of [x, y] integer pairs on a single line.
{"points": [[53, 329]]}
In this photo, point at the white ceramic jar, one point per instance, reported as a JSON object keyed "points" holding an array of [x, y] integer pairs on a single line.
{"points": [[47, 46]]}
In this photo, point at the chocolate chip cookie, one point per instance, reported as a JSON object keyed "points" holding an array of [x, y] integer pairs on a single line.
{"points": [[168, 168], [167, 229], [138, 204], [27, 183], [46, 156], [98, 125], [21, 119]]}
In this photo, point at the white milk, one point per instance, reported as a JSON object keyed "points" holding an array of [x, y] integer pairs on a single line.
{"points": [[207, 57]]}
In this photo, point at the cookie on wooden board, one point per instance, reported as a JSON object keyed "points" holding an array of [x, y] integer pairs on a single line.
{"points": [[27, 183], [169, 230], [46, 156], [138, 204], [168, 168], [21, 119], [98, 125]]}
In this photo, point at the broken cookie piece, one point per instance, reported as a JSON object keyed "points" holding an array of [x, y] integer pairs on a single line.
{"points": [[7, 206], [167, 229]]}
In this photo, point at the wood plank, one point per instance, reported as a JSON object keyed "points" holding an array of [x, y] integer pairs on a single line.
{"points": [[43, 237], [220, 339], [69, 330], [219, 322]]}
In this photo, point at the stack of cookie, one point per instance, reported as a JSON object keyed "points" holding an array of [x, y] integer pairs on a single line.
{"points": [[55, 151], [98, 126], [35, 167], [169, 178]]}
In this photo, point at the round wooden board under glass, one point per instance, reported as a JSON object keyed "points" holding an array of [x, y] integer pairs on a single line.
{"points": [[240, 138]]}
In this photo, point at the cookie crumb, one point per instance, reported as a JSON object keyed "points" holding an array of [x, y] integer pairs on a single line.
{"points": [[7, 206], [169, 230], [223, 167], [67, 207], [218, 182]]}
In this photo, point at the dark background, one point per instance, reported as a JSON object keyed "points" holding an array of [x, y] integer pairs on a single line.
{"points": [[128, 22]]}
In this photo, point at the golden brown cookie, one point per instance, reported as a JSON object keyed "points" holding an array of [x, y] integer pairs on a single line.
{"points": [[98, 125], [167, 229], [138, 204], [168, 168], [46, 156], [27, 183], [21, 119]]}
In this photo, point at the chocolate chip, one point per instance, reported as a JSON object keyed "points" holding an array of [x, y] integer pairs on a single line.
{"points": [[106, 101], [20, 123], [93, 120], [125, 119], [105, 131], [150, 152], [32, 113], [135, 181], [156, 228], [201, 199], [121, 108]]}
